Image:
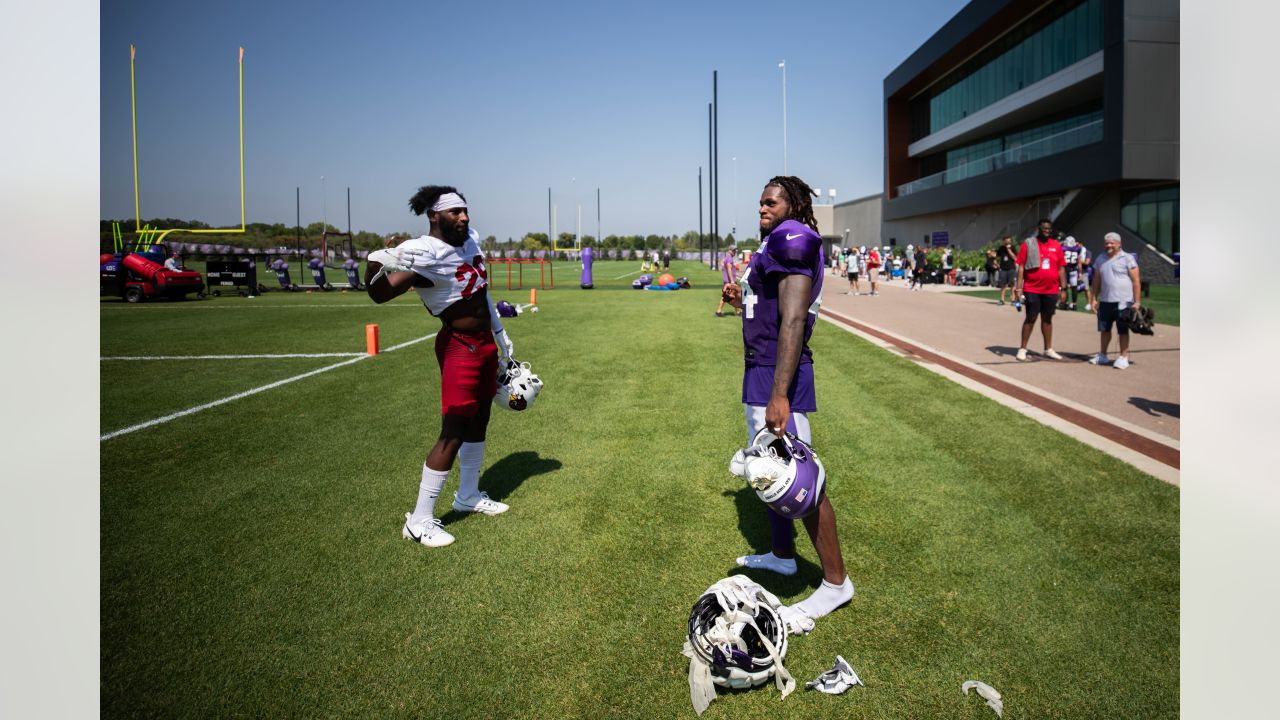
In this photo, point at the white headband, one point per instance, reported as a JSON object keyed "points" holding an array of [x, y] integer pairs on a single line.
{"points": [[449, 201]]}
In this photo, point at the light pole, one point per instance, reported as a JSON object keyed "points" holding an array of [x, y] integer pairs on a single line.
{"points": [[734, 231], [783, 65]]}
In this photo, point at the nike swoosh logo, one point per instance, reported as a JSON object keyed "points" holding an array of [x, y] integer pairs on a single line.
{"points": [[793, 237], [416, 538]]}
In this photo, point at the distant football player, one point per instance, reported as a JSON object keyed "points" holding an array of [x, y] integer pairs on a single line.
{"points": [[779, 293], [728, 273], [446, 268]]}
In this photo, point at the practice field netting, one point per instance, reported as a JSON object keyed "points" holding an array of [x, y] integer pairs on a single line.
{"points": [[252, 563]]}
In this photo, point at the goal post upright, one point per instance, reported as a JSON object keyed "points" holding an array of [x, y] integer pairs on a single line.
{"points": [[137, 205]]}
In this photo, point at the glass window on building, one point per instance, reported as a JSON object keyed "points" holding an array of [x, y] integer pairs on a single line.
{"points": [[1062, 34], [1153, 215], [1022, 145]]}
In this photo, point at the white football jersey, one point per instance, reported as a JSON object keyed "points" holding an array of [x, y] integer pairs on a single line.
{"points": [[456, 273]]}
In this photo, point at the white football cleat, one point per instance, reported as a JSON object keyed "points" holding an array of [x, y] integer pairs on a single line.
{"points": [[481, 504], [738, 465], [427, 532]]}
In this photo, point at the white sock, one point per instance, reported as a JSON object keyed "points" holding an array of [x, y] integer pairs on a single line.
{"points": [[826, 598], [769, 561], [470, 459], [428, 491]]}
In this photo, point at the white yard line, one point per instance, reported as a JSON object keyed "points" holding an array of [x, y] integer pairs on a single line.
{"points": [[627, 275], [254, 391], [230, 357]]}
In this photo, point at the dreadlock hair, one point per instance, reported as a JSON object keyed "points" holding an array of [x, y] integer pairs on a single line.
{"points": [[799, 197], [427, 196]]}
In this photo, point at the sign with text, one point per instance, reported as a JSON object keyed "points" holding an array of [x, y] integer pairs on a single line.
{"points": [[941, 238], [232, 272]]}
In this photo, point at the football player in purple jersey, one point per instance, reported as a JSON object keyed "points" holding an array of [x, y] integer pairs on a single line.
{"points": [[779, 293]]}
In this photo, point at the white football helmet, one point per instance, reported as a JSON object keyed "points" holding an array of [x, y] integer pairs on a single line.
{"points": [[518, 387], [784, 471], [736, 639]]}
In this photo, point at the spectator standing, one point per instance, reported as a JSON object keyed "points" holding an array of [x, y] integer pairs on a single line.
{"points": [[1042, 276], [1116, 285], [873, 269], [666, 259], [860, 258], [990, 266], [948, 271], [921, 265], [1007, 254], [851, 260]]}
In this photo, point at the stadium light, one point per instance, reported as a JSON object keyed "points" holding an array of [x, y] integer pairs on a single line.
{"points": [[783, 65]]}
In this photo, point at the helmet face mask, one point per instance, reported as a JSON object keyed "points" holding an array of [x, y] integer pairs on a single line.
{"points": [[784, 471], [518, 387]]}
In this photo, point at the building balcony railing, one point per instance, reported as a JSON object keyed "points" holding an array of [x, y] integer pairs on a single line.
{"points": [[1044, 147]]}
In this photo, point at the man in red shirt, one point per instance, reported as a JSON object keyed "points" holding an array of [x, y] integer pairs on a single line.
{"points": [[873, 268], [1041, 277]]}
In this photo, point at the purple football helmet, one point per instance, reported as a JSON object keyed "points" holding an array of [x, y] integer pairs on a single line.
{"points": [[784, 471], [506, 309]]}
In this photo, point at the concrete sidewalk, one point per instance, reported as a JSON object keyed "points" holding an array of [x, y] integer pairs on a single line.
{"points": [[973, 340]]}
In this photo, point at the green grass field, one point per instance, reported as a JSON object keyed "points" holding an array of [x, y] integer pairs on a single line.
{"points": [[252, 564], [1164, 300]]}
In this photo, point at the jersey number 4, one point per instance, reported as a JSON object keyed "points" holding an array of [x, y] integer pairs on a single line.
{"points": [[471, 275]]}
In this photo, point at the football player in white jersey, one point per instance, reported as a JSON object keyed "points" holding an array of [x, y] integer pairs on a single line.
{"points": [[446, 268]]}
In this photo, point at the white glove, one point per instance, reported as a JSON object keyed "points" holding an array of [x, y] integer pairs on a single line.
{"points": [[416, 258], [392, 260], [839, 678]]}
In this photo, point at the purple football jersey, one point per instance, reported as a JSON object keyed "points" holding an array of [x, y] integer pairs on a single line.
{"points": [[791, 249]]}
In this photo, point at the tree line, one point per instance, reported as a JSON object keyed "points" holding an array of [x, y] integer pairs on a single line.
{"points": [[271, 235]]}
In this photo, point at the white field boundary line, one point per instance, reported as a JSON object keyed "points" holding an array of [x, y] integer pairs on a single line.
{"points": [[627, 275], [254, 391], [231, 357], [1144, 463]]}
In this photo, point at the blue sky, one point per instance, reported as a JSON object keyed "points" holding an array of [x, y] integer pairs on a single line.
{"points": [[501, 99]]}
